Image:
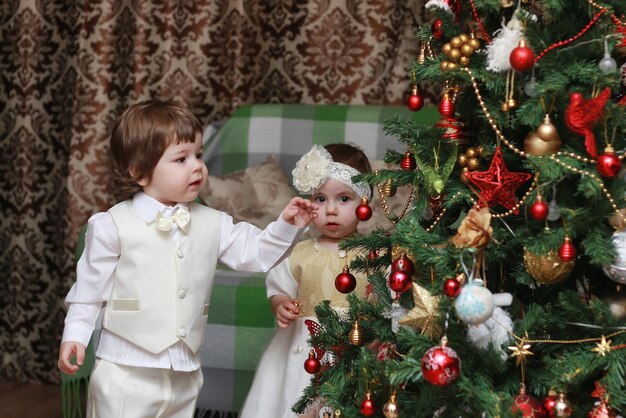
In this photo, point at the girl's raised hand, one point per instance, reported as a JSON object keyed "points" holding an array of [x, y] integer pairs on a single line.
{"points": [[299, 212]]}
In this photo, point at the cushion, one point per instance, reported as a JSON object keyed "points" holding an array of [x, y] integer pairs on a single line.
{"points": [[395, 203], [256, 194]]}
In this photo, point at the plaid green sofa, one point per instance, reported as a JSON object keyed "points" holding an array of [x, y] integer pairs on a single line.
{"points": [[240, 321]]}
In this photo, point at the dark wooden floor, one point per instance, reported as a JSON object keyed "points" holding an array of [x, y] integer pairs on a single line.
{"points": [[26, 400]]}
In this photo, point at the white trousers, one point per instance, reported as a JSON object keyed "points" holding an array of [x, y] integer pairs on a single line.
{"points": [[119, 391]]}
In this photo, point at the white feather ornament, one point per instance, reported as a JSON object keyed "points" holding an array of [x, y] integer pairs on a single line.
{"points": [[495, 330], [501, 46]]}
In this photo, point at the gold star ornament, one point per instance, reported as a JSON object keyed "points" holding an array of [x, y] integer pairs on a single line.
{"points": [[520, 351], [424, 316], [603, 347]]}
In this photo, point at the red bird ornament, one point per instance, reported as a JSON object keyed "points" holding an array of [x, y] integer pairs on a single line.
{"points": [[583, 114]]}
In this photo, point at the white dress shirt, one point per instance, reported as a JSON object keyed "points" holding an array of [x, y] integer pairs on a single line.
{"points": [[240, 246]]}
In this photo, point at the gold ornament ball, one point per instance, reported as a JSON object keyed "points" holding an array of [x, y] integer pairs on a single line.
{"points": [[547, 131], [446, 48], [390, 410], [461, 160], [454, 54], [548, 268], [456, 42], [443, 66], [562, 407], [504, 107], [466, 50], [474, 43], [464, 61], [481, 151], [471, 152], [473, 163], [464, 37], [512, 103], [452, 66]]}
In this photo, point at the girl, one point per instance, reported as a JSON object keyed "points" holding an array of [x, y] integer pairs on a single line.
{"points": [[307, 277], [149, 261]]}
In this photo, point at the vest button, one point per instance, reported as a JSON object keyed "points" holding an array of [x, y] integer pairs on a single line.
{"points": [[182, 294], [180, 254], [182, 332]]}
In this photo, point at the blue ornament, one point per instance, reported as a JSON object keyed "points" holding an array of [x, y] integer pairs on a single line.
{"points": [[475, 304]]}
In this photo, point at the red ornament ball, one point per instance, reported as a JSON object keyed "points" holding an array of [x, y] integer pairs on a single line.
{"points": [[400, 281], [403, 263], [608, 164], [522, 58], [312, 364], [567, 252], [415, 102], [345, 282], [451, 287], [367, 406], [539, 210], [441, 365], [363, 212], [528, 405], [437, 29], [547, 405]]}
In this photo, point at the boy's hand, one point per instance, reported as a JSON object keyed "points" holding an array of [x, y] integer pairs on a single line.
{"points": [[68, 350], [299, 212], [285, 310]]}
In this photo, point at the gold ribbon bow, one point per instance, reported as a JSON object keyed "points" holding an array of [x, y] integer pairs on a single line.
{"points": [[181, 218]]}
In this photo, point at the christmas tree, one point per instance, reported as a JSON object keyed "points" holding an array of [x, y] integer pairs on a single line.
{"points": [[498, 293]]}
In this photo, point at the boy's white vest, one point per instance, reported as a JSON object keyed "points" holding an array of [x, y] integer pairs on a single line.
{"points": [[161, 291]]}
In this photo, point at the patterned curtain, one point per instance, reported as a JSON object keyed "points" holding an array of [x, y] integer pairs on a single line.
{"points": [[68, 69]]}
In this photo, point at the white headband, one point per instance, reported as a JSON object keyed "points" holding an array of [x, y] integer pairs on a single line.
{"points": [[317, 166]]}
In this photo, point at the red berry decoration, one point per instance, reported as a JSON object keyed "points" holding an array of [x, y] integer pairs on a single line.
{"points": [[567, 252], [522, 58], [437, 29], [415, 101], [408, 162], [400, 281], [363, 212], [529, 406], [441, 365], [312, 364], [608, 164], [345, 282], [539, 210], [367, 406], [451, 287], [403, 263]]}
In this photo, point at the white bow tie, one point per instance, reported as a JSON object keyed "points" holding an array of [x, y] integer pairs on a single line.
{"points": [[181, 218]]}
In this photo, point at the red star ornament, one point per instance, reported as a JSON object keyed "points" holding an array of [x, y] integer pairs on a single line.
{"points": [[497, 185]]}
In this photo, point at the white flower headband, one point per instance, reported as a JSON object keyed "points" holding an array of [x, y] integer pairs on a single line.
{"points": [[317, 166]]}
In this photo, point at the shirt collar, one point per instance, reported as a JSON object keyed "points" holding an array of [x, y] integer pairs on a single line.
{"points": [[147, 207]]}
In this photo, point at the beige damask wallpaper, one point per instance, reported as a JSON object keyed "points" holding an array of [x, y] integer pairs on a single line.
{"points": [[68, 68]]}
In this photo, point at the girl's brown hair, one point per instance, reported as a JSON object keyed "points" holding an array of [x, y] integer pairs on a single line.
{"points": [[141, 135], [349, 155]]}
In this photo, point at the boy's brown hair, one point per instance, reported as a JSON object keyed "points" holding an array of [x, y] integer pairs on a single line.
{"points": [[141, 135]]}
